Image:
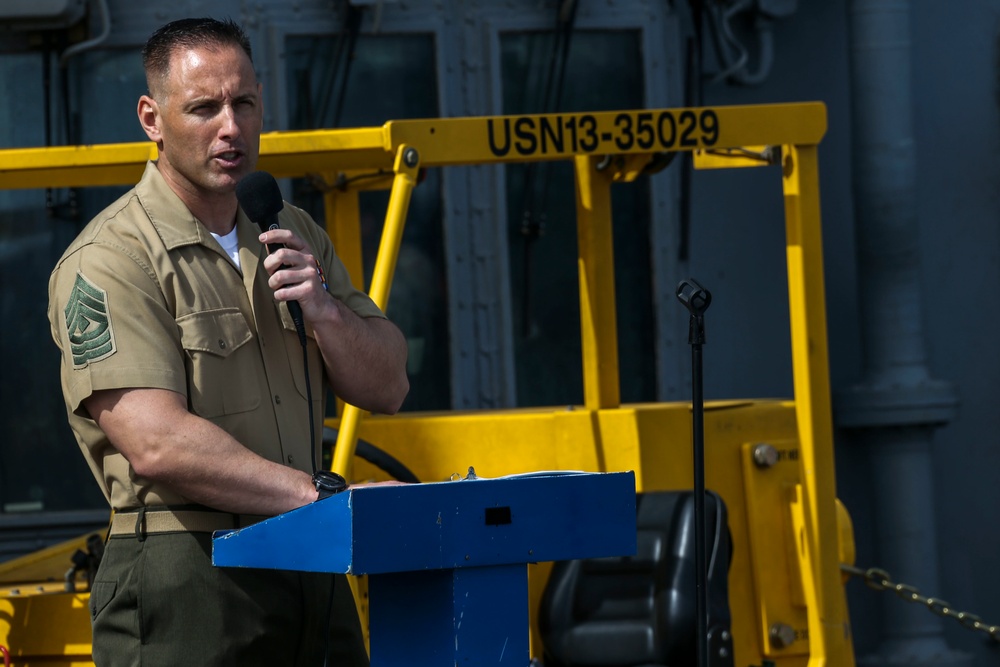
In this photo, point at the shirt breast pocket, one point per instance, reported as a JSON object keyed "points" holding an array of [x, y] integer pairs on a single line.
{"points": [[222, 367]]}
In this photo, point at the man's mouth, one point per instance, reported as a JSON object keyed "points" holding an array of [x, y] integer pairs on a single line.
{"points": [[229, 157]]}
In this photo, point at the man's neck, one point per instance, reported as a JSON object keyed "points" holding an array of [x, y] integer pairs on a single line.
{"points": [[219, 218], [215, 210]]}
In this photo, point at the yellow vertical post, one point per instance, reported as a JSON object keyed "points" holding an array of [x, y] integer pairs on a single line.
{"points": [[406, 168], [596, 263], [829, 628], [343, 225]]}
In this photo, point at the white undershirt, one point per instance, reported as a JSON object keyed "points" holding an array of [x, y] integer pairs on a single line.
{"points": [[231, 245]]}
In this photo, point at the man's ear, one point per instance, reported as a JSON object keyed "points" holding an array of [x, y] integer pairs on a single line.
{"points": [[149, 115]]}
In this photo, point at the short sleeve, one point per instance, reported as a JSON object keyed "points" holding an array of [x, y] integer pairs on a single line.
{"points": [[110, 321]]}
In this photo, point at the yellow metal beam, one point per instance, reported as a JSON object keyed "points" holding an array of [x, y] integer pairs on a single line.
{"points": [[491, 139], [829, 627], [343, 225], [47, 629], [284, 154], [451, 141], [596, 268], [729, 158], [406, 167]]}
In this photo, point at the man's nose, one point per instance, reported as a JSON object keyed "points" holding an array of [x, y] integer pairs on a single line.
{"points": [[228, 127]]}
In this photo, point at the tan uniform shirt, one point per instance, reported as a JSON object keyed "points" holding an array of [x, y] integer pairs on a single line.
{"points": [[145, 297]]}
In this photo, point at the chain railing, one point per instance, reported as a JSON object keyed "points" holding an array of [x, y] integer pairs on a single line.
{"points": [[880, 580]]}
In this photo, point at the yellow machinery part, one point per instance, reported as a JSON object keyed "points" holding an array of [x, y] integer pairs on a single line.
{"points": [[789, 533]]}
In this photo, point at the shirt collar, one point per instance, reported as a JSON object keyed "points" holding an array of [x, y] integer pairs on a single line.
{"points": [[177, 226], [172, 220]]}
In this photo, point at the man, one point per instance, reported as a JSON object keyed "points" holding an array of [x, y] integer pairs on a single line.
{"points": [[184, 379]]}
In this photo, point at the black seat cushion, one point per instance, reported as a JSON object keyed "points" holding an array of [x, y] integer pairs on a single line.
{"points": [[639, 610]]}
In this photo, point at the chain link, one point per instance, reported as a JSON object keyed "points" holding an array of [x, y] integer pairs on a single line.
{"points": [[880, 580]]}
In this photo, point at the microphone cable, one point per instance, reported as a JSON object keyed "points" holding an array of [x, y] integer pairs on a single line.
{"points": [[300, 330]]}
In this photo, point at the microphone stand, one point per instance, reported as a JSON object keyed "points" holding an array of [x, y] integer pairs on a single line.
{"points": [[697, 299]]}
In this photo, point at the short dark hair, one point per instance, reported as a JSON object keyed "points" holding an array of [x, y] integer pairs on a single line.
{"points": [[188, 33]]}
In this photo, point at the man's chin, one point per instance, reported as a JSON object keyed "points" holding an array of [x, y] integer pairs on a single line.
{"points": [[226, 182]]}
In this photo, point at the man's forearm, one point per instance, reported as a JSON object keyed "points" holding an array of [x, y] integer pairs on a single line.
{"points": [[365, 359], [165, 443]]}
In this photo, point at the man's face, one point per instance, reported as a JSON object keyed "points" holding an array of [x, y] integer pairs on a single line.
{"points": [[206, 120]]}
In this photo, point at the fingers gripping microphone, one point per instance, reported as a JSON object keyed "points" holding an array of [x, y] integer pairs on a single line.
{"points": [[260, 198]]}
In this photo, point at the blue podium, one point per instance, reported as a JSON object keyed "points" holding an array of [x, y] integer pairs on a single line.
{"points": [[446, 561]]}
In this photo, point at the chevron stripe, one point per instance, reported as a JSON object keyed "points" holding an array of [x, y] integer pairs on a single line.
{"points": [[88, 323]]}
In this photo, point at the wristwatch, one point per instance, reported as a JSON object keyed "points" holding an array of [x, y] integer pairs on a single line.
{"points": [[328, 483]]}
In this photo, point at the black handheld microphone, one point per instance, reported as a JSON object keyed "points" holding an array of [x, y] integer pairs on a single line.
{"points": [[260, 198]]}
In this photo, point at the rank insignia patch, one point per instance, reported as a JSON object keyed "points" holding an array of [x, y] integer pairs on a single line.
{"points": [[88, 323]]}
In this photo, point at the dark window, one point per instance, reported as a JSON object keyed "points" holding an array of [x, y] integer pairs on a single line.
{"points": [[603, 71]]}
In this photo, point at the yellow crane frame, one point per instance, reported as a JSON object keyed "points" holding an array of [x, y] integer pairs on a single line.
{"points": [[771, 461]]}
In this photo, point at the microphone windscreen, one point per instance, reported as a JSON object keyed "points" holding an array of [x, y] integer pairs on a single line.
{"points": [[259, 196]]}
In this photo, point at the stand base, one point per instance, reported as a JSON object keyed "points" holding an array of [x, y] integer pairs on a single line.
{"points": [[465, 616]]}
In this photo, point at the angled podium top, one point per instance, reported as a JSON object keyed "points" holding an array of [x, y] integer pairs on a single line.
{"points": [[444, 525]]}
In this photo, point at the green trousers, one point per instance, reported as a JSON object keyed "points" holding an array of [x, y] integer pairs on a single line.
{"points": [[159, 602]]}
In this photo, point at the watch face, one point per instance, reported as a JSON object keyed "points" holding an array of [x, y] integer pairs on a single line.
{"points": [[328, 483]]}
